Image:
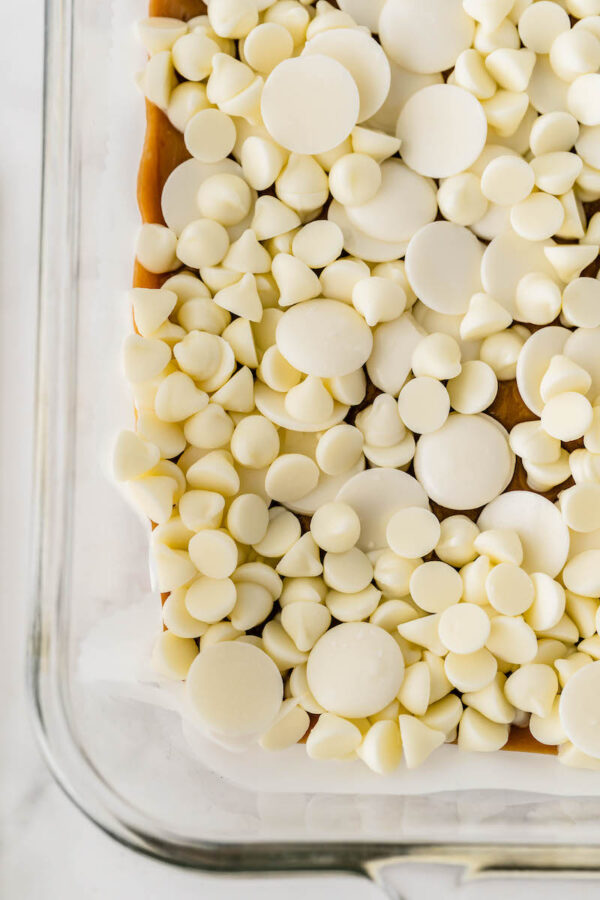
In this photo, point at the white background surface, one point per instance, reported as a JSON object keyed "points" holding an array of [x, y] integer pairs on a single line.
{"points": [[47, 848]]}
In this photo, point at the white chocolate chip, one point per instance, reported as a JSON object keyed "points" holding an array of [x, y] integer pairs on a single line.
{"points": [[332, 738], [461, 200], [309, 401], [353, 607], [305, 623], [202, 242], [567, 416], [381, 747], [154, 496], [133, 456], [464, 628], [349, 571], [434, 586], [173, 656], [418, 740], [266, 45], [471, 671], [507, 180], [210, 599], [548, 729], [354, 179], [413, 532], [456, 545], [424, 405], [537, 217], [302, 560], [476, 733], [335, 527], [318, 244], [512, 640], [474, 389], [509, 589]]}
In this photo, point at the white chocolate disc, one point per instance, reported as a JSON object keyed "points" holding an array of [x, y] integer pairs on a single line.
{"points": [[506, 260], [465, 464], [297, 102], [403, 204], [375, 495], [393, 346], [355, 669], [443, 130], [464, 628], [363, 57], [235, 689], [533, 361], [539, 524], [427, 36], [324, 338], [272, 405], [578, 709], [179, 197], [443, 262], [359, 243], [583, 347]]}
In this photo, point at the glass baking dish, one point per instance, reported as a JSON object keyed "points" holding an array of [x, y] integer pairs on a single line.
{"points": [[124, 763]]}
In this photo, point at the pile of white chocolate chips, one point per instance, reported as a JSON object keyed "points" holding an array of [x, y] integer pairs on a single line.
{"points": [[378, 196]]}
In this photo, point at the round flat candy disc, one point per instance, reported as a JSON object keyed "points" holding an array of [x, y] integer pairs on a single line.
{"points": [[179, 196], [324, 338], [539, 524], [427, 36], [403, 204], [443, 263], [578, 709], [375, 495], [506, 260], [466, 463], [355, 669], [272, 405], [583, 347], [235, 689], [363, 57], [358, 243], [533, 361], [298, 99], [443, 130]]}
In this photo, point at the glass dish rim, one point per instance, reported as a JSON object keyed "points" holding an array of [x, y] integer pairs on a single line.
{"points": [[66, 758]]}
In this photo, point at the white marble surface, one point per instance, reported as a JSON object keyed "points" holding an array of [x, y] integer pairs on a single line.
{"points": [[47, 848]]}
